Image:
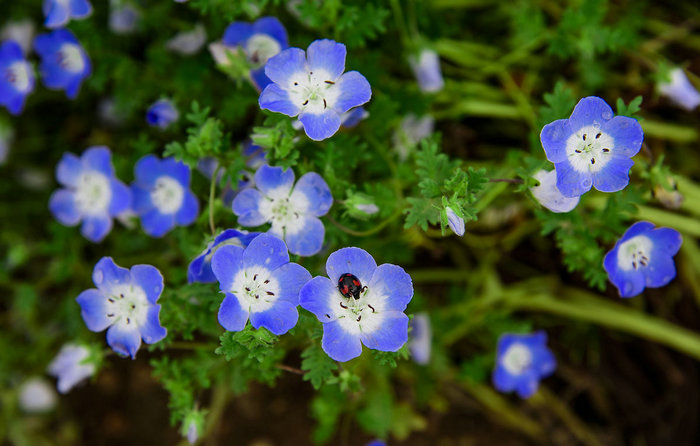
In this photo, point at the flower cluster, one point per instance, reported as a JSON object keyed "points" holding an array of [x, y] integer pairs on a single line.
{"points": [[522, 361]]}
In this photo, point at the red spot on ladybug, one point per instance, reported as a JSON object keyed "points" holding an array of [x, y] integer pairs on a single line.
{"points": [[350, 286]]}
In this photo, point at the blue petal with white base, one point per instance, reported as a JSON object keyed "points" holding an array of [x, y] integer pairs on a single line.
{"points": [[59, 12], [200, 269], [643, 257], [312, 85], [521, 362], [592, 148], [92, 194], [293, 210], [64, 62], [17, 79], [375, 318], [260, 284], [161, 195], [124, 303]]}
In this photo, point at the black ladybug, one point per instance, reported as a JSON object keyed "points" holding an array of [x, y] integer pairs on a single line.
{"points": [[350, 286]]}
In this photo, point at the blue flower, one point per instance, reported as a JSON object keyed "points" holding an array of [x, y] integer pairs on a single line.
{"points": [[292, 209], [16, 77], [421, 338], [454, 221], [200, 268], [71, 366], [359, 303], [59, 12], [162, 113], [521, 362], [64, 62], [92, 193], [162, 195], [260, 41], [643, 257], [679, 90], [123, 17], [312, 85], [592, 148], [125, 303], [426, 67], [260, 283], [547, 194]]}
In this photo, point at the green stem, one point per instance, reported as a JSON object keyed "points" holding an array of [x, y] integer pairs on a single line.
{"points": [[438, 275], [212, 196], [670, 132], [370, 231]]}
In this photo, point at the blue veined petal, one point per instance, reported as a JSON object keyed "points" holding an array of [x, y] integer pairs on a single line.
{"points": [[189, 210], [266, 251], [317, 296], [327, 56], [339, 344], [121, 197], [68, 169], [93, 309], [62, 206], [57, 13], [80, 9], [394, 283], [231, 316], [147, 170], [317, 193], [283, 66], [107, 274], [156, 224], [354, 91], [666, 240], [661, 268], [570, 182], [273, 28], [141, 199], [320, 126], [178, 170], [636, 229], [274, 181], [237, 33], [149, 279], [502, 380], [627, 134], [614, 176], [391, 335], [351, 260], [279, 319], [276, 99], [591, 110], [245, 206], [309, 239], [261, 81], [225, 263], [98, 158], [293, 277], [553, 138], [124, 338], [96, 227], [527, 385], [152, 331]]}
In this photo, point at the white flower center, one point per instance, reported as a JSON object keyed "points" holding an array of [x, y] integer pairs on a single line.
{"points": [[589, 149], [285, 212], [634, 253], [261, 47], [93, 193], [19, 75], [255, 289], [167, 195], [70, 57], [314, 91], [517, 359], [356, 316], [127, 303]]}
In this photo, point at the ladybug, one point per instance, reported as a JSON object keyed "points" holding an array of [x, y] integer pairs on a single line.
{"points": [[350, 286]]}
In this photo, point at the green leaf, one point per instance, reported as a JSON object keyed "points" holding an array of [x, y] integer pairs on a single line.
{"points": [[318, 366]]}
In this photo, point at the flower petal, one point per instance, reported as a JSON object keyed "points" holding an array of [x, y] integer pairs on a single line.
{"points": [[189, 210], [80, 9], [282, 67], [57, 14], [62, 206], [237, 33], [231, 316], [527, 386], [391, 335], [661, 268], [317, 295], [320, 126], [636, 229], [570, 182], [147, 170], [591, 110], [98, 158], [665, 239], [151, 331], [628, 283], [614, 176], [279, 319], [627, 134], [392, 285], [293, 277], [69, 169], [315, 191], [96, 227], [156, 224], [339, 344], [327, 57], [502, 380], [354, 91], [351, 260], [308, 240], [266, 251], [107, 274], [274, 181], [273, 28], [121, 197], [93, 309], [149, 279], [225, 263], [245, 206], [124, 338], [553, 138]]}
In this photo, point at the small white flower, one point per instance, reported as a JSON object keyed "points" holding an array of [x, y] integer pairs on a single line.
{"points": [[71, 366], [454, 221], [680, 91], [426, 67], [188, 42], [36, 395], [549, 196]]}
